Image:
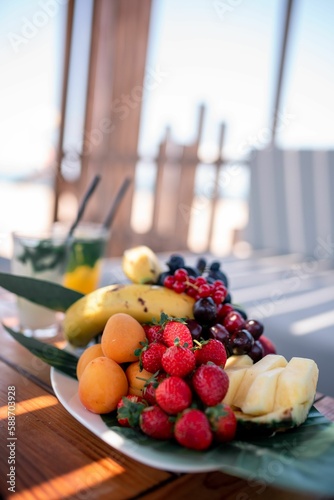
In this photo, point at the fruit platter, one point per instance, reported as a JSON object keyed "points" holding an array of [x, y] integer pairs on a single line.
{"points": [[168, 370]]}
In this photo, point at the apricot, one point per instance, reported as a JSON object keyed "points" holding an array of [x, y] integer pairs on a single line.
{"points": [[92, 352], [136, 378], [102, 384], [121, 336]]}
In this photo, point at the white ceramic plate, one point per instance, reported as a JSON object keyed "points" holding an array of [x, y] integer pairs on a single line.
{"points": [[66, 390]]}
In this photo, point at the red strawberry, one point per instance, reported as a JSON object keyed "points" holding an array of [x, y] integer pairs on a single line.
{"points": [[210, 382], [153, 333], [174, 330], [129, 409], [150, 356], [173, 395], [211, 350], [156, 423], [222, 421], [178, 361], [192, 430], [150, 387]]}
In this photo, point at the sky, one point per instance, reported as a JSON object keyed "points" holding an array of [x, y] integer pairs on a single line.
{"points": [[31, 41], [220, 53], [227, 58]]}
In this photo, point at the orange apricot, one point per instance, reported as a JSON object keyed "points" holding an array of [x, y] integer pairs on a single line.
{"points": [[102, 384], [92, 352], [121, 336], [137, 378]]}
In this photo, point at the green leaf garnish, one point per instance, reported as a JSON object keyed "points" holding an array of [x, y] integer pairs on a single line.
{"points": [[298, 460], [44, 293], [58, 358]]}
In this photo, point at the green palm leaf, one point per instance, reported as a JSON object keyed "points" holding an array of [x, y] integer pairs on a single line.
{"points": [[62, 360], [43, 293], [298, 460]]}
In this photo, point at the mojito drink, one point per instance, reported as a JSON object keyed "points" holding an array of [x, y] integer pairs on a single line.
{"points": [[41, 257]]}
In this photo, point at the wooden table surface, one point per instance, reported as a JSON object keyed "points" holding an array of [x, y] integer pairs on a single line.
{"points": [[57, 457]]}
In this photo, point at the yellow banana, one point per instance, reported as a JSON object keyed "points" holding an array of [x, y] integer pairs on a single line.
{"points": [[87, 316]]}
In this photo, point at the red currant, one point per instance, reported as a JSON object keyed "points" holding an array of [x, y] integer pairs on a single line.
{"points": [[200, 281], [192, 292], [179, 287], [219, 296], [181, 275], [204, 290], [169, 281]]}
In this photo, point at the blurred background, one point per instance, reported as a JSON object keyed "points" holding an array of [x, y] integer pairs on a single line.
{"points": [[220, 111]]}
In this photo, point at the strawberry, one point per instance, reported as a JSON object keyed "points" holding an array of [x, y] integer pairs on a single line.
{"points": [[192, 430], [173, 395], [129, 409], [150, 387], [175, 330], [150, 356], [223, 422], [210, 382], [178, 361], [153, 333], [210, 350], [156, 423]]}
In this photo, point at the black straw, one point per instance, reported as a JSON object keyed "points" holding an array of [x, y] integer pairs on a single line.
{"points": [[83, 204], [114, 207]]}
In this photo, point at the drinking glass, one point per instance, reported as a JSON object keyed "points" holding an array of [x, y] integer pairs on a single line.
{"points": [[85, 255], [41, 256]]}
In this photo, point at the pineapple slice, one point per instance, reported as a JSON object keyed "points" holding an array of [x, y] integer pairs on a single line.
{"points": [[297, 383], [235, 368], [235, 376], [267, 363], [238, 361], [272, 395], [277, 420], [260, 398]]}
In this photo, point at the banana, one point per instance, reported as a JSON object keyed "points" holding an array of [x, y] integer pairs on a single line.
{"points": [[141, 265], [87, 317]]}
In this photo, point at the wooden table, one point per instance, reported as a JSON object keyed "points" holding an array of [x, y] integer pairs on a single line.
{"points": [[56, 457]]}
